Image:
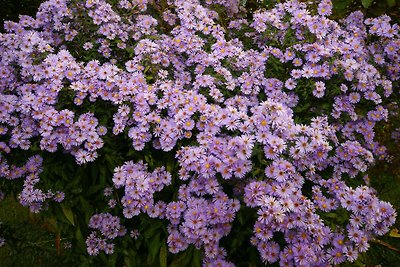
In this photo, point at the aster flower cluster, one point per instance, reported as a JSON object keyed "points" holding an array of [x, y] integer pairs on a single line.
{"points": [[30, 196], [140, 187], [107, 228], [396, 135], [269, 104]]}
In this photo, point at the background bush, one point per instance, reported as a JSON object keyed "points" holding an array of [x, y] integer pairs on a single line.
{"points": [[57, 235]]}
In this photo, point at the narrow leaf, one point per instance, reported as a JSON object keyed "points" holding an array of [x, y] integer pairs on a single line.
{"points": [[68, 214], [163, 255], [366, 3], [391, 3], [196, 261], [154, 248], [394, 233]]}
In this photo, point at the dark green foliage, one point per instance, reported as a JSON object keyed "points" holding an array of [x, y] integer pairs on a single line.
{"points": [[11, 9], [371, 8]]}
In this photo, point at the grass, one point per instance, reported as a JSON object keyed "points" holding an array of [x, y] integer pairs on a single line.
{"points": [[29, 241]]}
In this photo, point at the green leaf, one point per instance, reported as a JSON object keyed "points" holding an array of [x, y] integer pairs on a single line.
{"points": [[152, 230], [341, 4], [391, 3], [86, 207], [170, 166], [94, 171], [148, 159], [196, 262], [68, 214], [78, 234], [84, 262], [154, 248], [331, 215], [366, 3], [240, 218], [394, 233], [163, 255], [359, 263], [53, 222], [131, 51], [94, 189], [189, 257], [178, 262]]}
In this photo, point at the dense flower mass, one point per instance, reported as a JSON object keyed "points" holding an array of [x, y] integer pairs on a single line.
{"points": [[109, 227], [279, 105]]}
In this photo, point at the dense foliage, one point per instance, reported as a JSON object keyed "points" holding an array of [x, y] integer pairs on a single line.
{"points": [[195, 126]]}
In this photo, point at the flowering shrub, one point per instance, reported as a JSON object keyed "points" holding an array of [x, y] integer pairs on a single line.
{"points": [[217, 110]]}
